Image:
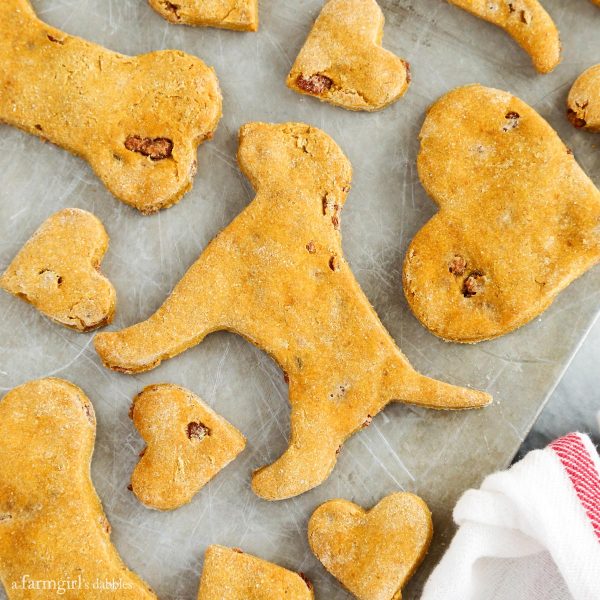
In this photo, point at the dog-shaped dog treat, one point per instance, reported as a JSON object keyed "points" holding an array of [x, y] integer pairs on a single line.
{"points": [[277, 276]]}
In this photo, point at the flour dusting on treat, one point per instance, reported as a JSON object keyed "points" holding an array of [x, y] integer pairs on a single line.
{"points": [[231, 574], [53, 532], [372, 553], [277, 276], [136, 120], [241, 15], [526, 22], [187, 445], [518, 221], [583, 103], [58, 271], [342, 61]]}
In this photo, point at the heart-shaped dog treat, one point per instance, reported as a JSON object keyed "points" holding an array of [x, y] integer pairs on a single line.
{"points": [[526, 22], [136, 120], [373, 553], [54, 536], [230, 574], [277, 276], [342, 61], [188, 444], [583, 103], [57, 271], [241, 15], [518, 222]]}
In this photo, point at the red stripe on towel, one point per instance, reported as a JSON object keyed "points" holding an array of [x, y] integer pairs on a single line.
{"points": [[583, 474]]}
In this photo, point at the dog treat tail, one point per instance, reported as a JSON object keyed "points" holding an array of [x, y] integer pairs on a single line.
{"points": [[424, 391]]}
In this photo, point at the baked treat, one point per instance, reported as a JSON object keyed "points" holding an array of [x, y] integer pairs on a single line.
{"points": [[342, 61], [57, 271], [372, 553], [277, 276], [583, 103], [241, 15], [187, 445], [53, 531], [230, 574], [518, 218], [526, 22], [136, 120]]}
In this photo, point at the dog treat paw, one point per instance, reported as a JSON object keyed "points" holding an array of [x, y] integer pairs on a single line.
{"points": [[277, 276], [241, 15], [57, 271], [519, 220], [230, 574], [526, 22], [136, 120], [187, 445], [342, 61], [53, 531], [372, 553], [583, 103]]}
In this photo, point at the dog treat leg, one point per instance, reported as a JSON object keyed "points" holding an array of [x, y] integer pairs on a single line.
{"points": [[136, 120], [276, 275], [52, 527]]}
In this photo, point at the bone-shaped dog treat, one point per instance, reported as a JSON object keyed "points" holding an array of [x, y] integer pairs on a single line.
{"points": [[373, 553], [230, 574], [53, 532], [188, 444], [136, 120], [277, 276], [526, 22], [343, 63], [518, 222], [583, 103], [57, 271], [241, 15]]}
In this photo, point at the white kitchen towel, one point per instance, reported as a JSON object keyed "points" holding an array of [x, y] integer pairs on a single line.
{"points": [[529, 533]]}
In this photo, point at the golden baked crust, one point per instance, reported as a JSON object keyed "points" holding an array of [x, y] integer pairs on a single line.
{"points": [[52, 527], [342, 61], [241, 15], [136, 123], [372, 553], [583, 103], [277, 276], [518, 220], [187, 445], [230, 574], [57, 271], [526, 22]]}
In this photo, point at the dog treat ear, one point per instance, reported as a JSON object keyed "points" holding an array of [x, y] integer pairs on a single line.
{"points": [[188, 444], [52, 527], [526, 22], [518, 219], [583, 103], [57, 271], [136, 123], [277, 276], [230, 574], [342, 61], [241, 15]]}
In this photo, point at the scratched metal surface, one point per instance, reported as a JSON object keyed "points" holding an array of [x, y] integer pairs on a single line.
{"points": [[436, 455]]}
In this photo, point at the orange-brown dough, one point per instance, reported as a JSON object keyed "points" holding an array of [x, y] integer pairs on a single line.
{"points": [[136, 120], [277, 276]]}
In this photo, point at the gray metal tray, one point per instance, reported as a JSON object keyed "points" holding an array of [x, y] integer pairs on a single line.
{"points": [[436, 455]]}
